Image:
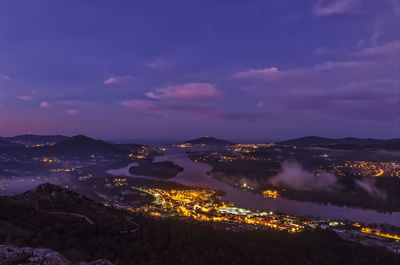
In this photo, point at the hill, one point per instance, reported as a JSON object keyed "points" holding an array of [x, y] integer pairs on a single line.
{"points": [[343, 143], [6, 144], [31, 140], [83, 146], [207, 140], [162, 170], [309, 140], [81, 229]]}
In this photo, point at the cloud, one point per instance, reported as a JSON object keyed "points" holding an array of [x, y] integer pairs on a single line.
{"points": [[386, 49], [116, 80], [294, 176], [45, 105], [368, 185], [183, 110], [395, 4], [365, 86], [157, 64], [25, 98], [268, 74], [72, 111], [380, 61], [332, 7], [142, 105], [5, 77], [190, 91]]}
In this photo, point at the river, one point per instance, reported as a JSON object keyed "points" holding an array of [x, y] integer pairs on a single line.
{"points": [[195, 174]]}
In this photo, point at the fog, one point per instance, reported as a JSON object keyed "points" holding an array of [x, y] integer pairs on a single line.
{"points": [[294, 176], [17, 185], [368, 185]]}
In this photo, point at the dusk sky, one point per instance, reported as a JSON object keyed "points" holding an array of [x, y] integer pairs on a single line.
{"points": [[172, 69]]}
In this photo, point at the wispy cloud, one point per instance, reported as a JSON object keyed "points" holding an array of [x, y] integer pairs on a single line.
{"points": [[25, 98], [116, 80], [395, 6], [269, 73], [188, 110], [72, 111], [45, 105], [163, 109], [189, 91], [385, 49], [5, 77], [332, 7], [369, 62], [157, 64], [363, 87], [142, 105]]}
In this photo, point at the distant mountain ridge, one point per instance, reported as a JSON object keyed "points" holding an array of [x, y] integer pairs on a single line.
{"points": [[6, 144], [343, 142], [207, 140], [31, 139], [59, 145], [81, 145]]}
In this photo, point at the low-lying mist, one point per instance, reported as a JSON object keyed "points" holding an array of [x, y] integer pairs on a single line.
{"points": [[368, 185], [294, 176]]}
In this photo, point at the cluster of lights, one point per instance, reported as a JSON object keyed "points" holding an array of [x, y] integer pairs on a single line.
{"points": [[47, 160], [38, 145], [248, 148], [204, 205], [376, 232], [142, 153], [86, 177], [61, 170], [270, 194], [184, 145], [367, 168], [120, 181]]}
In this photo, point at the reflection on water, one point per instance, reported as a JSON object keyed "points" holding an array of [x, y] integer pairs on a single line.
{"points": [[195, 174], [122, 171]]}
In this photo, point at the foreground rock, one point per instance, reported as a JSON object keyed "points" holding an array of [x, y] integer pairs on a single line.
{"points": [[11, 255]]}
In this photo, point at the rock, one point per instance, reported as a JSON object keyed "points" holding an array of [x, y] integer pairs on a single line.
{"points": [[97, 262], [11, 255]]}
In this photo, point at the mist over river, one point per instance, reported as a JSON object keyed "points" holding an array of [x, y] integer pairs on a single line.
{"points": [[195, 174]]}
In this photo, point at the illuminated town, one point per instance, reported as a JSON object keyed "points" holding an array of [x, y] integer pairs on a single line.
{"points": [[200, 132], [206, 205], [368, 168], [270, 194]]}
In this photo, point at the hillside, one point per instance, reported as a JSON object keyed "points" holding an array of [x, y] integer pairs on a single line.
{"points": [[6, 144], [81, 145], [206, 140], [83, 230], [347, 142], [162, 170], [30, 139]]}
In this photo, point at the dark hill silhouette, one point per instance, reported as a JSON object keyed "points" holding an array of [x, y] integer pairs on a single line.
{"points": [[79, 227], [6, 144], [81, 145], [344, 143], [30, 139], [208, 141]]}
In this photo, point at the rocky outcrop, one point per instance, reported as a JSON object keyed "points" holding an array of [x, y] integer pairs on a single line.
{"points": [[11, 255]]}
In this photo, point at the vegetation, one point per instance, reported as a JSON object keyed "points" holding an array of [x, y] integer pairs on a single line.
{"points": [[162, 170], [26, 220]]}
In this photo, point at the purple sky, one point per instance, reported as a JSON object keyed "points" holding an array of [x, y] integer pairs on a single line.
{"points": [[180, 69]]}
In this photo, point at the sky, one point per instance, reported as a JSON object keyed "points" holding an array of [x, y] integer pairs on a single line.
{"points": [[178, 69]]}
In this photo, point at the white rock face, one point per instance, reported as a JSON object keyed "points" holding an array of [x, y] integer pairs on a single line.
{"points": [[10, 255]]}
